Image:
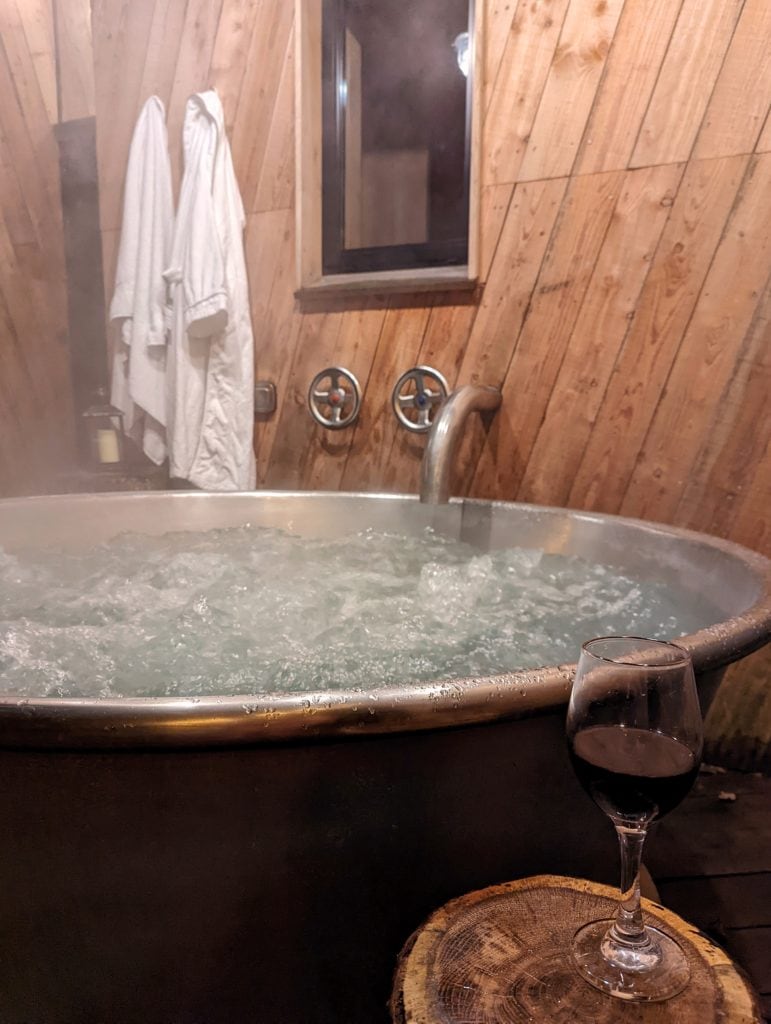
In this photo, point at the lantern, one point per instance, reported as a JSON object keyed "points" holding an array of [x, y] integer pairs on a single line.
{"points": [[104, 429]]}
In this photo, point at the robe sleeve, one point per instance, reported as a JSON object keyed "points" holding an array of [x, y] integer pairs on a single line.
{"points": [[203, 273], [122, 305], [148, 217]]}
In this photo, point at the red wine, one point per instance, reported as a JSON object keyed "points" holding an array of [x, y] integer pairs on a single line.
{"points": [[632, 773]]}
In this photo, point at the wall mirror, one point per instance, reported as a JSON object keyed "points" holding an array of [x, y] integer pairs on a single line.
{"points": [[388, 123]]}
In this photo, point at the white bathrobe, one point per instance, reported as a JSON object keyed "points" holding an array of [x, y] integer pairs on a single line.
{"points": [[139, 300], [211, 360]]}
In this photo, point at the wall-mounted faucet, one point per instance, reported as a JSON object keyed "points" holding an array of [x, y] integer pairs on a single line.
{"points": [[445, 436]]}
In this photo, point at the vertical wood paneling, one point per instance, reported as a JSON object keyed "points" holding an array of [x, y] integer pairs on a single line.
{"points": [[16, 216], [267, 55], [327, 461], [764, 142], [562, 283], [74, 59], [443, 346], [708, 352], [399, 343], [499, 15], [633, 65], [506, 299], [723, 477], [192, 74], [666, 304], [160, 58], [493, 209], [518, 84], [121, 34], [299, 435], [275, 184], [270, 259], [742, 95], [602, 325], [231, 48], [575, 73], [752, 525], [26, 125], [37, 19], [36, 415], [693, 61]]}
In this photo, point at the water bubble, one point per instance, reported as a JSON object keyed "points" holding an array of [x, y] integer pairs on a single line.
{"points": [[251, 611]]}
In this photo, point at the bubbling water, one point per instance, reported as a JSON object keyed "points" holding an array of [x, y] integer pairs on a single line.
{"points": [[251, 611]]}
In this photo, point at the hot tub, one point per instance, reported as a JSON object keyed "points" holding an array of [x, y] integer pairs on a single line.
{"points": [[226, 859]]}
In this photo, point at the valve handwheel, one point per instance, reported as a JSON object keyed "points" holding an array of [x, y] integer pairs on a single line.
{"points": [[416, 396], [334, 398]]}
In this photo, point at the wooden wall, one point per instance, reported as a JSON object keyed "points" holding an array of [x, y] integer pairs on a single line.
{"points": [[626, 252], [36, 415]]}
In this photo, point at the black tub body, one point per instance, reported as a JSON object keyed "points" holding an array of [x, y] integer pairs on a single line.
{"points": [[263, 859]]}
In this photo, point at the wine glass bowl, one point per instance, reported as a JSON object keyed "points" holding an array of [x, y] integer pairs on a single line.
{"points": [[634, 731]]}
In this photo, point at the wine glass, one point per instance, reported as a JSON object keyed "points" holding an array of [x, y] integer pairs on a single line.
{"points": [[635, 735]]}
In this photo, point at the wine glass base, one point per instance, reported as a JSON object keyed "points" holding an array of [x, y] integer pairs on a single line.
{"points": [[646, 975]]}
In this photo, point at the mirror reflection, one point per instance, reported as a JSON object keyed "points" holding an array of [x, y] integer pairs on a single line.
{"points": [[396, 132]]}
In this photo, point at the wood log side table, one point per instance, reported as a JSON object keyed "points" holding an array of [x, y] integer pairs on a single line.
{"points": [[502, 956]]}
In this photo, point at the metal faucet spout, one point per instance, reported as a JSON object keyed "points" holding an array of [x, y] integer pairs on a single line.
{"points": [[445, 436]]}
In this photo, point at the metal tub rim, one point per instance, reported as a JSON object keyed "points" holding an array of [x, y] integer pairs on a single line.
{"points": [[171, 722]]}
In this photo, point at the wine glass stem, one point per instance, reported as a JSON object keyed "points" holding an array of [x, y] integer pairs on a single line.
{"points": [[628, 928]]}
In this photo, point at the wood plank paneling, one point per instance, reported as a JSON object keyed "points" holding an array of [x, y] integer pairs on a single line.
{"points": [[298, 434], [575, 73], [506, 300], [518, 85], [359, 337], [270, 258], [37, 18], [641, 40], [265, 61], [598, 336], [192, 73], [764, 142], [699, 213], [752, 525], [74, 59], [121, 32], [443, 347], [36, 414], [275, 185], [399, 343], [707, 354], [701, 37], [499, 15], [231, 48], [160, 58], [562, 283], [740, 435], [26, 126], [505, 304], [742, 95]]}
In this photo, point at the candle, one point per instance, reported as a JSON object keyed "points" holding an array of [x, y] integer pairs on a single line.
{"points": [[107, 443]]}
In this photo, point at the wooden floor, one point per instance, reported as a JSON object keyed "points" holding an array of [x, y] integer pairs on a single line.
{"points": [[711, 860]]}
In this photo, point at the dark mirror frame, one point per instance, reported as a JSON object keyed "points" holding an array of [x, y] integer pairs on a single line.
{"points": [[323, 263], [336, 258]]}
